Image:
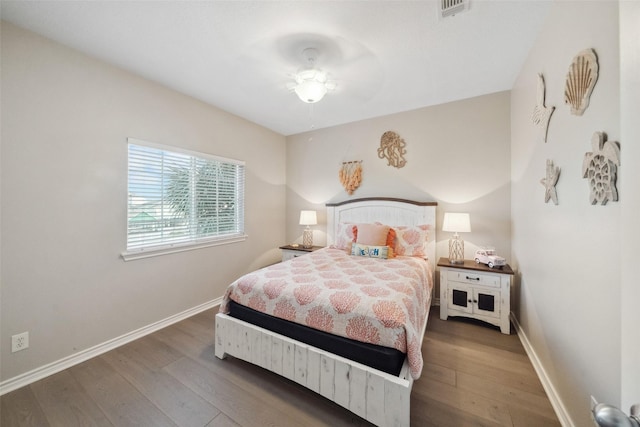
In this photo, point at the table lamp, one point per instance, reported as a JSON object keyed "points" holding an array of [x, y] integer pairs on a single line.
{"points": [[308, 218], [458, 223]]}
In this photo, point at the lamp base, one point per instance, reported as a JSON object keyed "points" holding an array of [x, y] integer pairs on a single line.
{"points": [[307, 238], [456, 250]]}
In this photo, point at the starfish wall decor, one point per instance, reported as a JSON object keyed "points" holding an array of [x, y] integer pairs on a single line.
{"points": [[550, 181]]}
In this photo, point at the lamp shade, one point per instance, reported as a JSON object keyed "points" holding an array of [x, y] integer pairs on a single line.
{"points": [[308, 218], [456, 222], [310, 91]]}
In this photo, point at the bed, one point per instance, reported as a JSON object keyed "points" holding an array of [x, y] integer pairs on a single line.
{"points": [[367, 360]]}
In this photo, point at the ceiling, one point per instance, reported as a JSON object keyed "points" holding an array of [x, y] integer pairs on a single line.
{"points": [[384, 56]]}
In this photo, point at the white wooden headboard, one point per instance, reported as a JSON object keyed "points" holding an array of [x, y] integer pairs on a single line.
{"points": [[388, 211]]}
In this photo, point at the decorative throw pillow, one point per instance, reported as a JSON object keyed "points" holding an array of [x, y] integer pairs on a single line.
{"points": [[370, 251], [391, 239], [372, 234], [345, 236], [411, 240]]}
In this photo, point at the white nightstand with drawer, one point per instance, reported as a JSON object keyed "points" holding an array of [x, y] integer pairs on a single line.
{"points": [[290, 251], [476, 291]]}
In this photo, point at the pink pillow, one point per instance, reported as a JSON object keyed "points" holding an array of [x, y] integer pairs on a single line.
{"points": [[391, 237], [372, 234], [410, 240], [345, 236]]}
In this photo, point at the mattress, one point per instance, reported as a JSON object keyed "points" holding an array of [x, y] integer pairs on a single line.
{"points": [[384, 359]]}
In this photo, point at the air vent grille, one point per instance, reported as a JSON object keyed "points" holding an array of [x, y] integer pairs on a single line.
{"points": [[451, 7]]}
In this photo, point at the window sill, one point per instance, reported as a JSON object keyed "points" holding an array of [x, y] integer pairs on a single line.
{"points": [[170, 249]]}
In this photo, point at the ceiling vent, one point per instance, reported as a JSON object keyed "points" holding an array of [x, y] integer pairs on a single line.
{"points": [[451, 7]]}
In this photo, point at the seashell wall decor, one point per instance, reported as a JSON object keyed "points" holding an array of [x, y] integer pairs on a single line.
{"points": [[581, 79], [541, 115], [600, 167], [350, 175], [549, 181], [392, 149]]}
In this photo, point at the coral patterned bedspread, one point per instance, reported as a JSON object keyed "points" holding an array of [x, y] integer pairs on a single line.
{"points": [[378, 301]]}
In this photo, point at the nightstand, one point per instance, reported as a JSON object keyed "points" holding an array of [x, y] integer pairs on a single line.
{"points": [[476, 291], [289, 251]]}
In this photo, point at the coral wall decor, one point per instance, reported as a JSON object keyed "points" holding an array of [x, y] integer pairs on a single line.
{"points": [[549, 181], [541, 114], [581, 79], [392, 149], [600, 167], [350, 175]]}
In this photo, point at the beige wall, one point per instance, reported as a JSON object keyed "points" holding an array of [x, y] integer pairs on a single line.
{"points": [[568, 256], [457, 154], [65, 122], [630, 178]]}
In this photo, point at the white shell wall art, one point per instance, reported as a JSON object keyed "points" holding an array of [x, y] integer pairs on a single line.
{"points": [[549, 181], [581, 79], [392, 149], [541, 114], [600, 167]]}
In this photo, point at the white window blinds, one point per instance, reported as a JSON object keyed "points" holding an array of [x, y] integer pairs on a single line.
{"points": [[179, 198]]}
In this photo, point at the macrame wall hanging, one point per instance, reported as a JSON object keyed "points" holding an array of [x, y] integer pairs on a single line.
{"points": [[600, 167], [350, 175], [581, 79], [541, 114], [392, 149]]}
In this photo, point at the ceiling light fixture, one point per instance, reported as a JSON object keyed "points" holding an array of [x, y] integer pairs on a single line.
{"points": [[311, 83]]}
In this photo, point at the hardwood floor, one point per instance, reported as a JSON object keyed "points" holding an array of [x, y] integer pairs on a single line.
{"points": [[473, 376]]}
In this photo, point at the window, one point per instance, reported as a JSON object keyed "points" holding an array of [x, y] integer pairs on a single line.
{"points": [[181, 200]]}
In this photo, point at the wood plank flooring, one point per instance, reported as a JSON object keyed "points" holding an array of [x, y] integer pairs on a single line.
{"points": [[473, 376]]}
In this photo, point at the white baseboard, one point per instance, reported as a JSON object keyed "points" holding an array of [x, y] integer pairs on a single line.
{"points": [[74, 359], [552, 394]]}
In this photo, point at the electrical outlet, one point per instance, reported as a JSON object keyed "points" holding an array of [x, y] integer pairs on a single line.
{"points": [[594, 402], [19, 342]]}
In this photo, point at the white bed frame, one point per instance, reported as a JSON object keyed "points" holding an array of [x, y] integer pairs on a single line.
{"points": [[376, 396]]}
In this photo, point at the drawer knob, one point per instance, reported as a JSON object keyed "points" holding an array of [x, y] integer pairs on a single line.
{"points": [[473, 278]]}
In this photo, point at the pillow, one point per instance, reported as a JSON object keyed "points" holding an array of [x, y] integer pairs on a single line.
{"points": [[370, 251], [345, 236], [372, 234], [410, 240], [391, 238]]}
